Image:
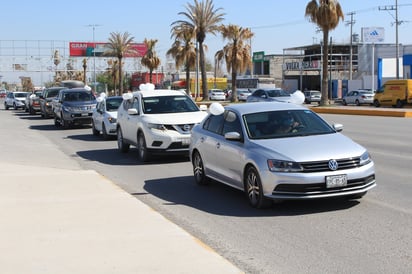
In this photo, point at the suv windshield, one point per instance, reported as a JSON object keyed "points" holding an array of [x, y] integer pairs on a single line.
{"points": [[78, 96], [20, 94], [168, 104]]}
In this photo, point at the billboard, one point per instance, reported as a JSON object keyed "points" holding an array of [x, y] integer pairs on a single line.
{"points": [[373, 35], [86, 49]]}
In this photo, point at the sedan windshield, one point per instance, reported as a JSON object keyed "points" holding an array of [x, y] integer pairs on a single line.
{"points": [[285, 123], [277, 93], [168, 104], [112, 104]]}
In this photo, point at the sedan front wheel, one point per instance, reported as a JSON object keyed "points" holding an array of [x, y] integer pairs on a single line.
{"points": [[199, 170], [254, 190]]}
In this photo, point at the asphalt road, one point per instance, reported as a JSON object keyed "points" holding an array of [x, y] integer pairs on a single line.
{"points": [[369, 236]]}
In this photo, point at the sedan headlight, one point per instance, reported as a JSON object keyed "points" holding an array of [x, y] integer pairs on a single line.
{"points": [[156, 126], [284, 166], [111, 120], [365, 159]]}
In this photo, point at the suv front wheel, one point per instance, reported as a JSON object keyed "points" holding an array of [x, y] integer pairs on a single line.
{"points": [[123, 147], [144, 155]]}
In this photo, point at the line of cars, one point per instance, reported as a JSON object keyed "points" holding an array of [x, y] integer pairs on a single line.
{"points": [[239, 145], [272, 151]]}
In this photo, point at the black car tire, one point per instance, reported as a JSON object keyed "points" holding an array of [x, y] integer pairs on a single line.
{"points": [[357, 102], [376, 103], [198, 169], [344, 102], [104, 132], [123, 147], [65, 124], [254, 190], [15, 106], [56, 122], [94, 130], [142, 152], [6, 106]]}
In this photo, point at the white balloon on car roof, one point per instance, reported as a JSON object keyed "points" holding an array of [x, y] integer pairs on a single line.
{"points": [[216, 109], [297, 97], [146, 87]]}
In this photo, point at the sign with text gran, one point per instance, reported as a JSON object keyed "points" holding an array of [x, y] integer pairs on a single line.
{"points": [[87, 49]]}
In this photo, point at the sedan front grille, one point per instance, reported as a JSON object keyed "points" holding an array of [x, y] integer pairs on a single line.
{"points": [[320, 187], [320, 166]]}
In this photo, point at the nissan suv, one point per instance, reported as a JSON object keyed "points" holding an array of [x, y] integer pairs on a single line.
{"points": [[157, 122], [73, 107]]}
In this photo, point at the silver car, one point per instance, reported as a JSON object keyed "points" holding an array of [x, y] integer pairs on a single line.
{"points": [[278, 152], [269, 95], [359, 97], [242, 94]]}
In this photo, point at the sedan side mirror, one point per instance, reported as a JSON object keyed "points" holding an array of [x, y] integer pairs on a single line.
{"points": [[233, 136], [338, 127], [132, 111]]}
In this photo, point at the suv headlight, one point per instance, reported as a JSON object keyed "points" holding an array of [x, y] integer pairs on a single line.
{"points": [[68, 109], [284, 166], [365, 159], [156, 126]]}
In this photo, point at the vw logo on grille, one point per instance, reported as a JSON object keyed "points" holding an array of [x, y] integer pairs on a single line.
{"points": [[333, 164], [186, 127]]}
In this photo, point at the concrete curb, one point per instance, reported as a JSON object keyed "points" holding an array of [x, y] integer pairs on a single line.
{"points": [[405, 113]]}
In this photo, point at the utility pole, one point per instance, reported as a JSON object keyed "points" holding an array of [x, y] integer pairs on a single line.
{"points": [[351, 23], [397, 23], [94, 55]]}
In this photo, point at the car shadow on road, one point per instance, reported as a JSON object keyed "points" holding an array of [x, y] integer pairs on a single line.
{"points": [[220, 199], [115, 157]]}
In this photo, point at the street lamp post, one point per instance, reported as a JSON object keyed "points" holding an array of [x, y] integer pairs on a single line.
{"points": [[84, 70], [93, 26]]}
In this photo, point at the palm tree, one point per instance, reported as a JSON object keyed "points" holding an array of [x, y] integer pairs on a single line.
{"points": [[236, 53], [113, 71], [120, 45], [150, 59], [203, 18], [326, 15], [183, 51]]}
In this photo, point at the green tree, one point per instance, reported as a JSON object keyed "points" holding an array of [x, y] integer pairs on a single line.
{"points": [[236, 53], [150, 59], [203, 18], [183, 50], [119, 46], [326, 15]]}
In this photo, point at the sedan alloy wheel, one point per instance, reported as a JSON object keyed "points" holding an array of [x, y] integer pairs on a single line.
{"points": [[254, 189]]}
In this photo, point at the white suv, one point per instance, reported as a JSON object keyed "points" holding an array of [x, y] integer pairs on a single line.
{"points": [[156, 122]]}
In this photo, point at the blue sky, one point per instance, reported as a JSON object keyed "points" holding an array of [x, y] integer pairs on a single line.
{"points": [[277, 24]]}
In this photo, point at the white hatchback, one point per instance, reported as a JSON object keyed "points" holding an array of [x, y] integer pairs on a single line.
{"points": [[104, 118], [156, 122]]}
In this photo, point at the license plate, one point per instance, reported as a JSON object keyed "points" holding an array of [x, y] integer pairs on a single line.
{"points": [[336, 181], [85, 114]]}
